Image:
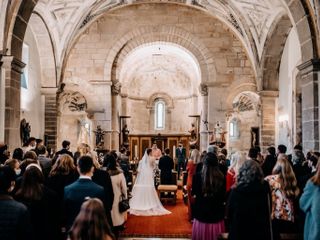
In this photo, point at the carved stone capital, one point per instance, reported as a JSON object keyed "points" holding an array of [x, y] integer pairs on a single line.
{"points": [[313, 65], [13, 63], [116, 88], [203, 89]]}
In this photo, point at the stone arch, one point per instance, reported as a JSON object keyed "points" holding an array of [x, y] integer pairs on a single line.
{"points": [[238, 89], [164, 34], [165, 97]]}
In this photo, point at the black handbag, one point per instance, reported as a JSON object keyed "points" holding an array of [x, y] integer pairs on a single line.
{"points": [[123, 204]]}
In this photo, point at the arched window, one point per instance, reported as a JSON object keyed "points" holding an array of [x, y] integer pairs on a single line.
{"points": [[159, 115], [234, 128]]}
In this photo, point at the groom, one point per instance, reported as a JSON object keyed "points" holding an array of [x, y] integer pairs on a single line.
{"points": [[181, 156]]}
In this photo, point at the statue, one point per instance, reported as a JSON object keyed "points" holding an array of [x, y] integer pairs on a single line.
{"points": [[125, 135], [25, 130], [193, 132], [99, 136], [218, 138]]}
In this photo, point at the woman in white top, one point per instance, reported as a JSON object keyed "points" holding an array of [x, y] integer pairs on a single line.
{"points": [[145, 200]]}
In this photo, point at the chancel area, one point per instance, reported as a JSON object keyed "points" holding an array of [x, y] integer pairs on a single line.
{"points": [[195, 116]]}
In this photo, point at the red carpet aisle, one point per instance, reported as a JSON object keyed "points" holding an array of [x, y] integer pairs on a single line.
{"points": [[174, 225]]}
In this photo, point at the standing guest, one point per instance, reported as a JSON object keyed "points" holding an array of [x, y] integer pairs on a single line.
{"points": [[65, 148], [76, 193], [181, 156], [124, 163], [270, 161], [3, 153], [309, 203], [237, 160], [62, 174], [282, 149], [18, 154], [14, 164], [41, 203], [166, 165], [253, 155], [102, 178], [225, 153], [191, 169], [249, 205], [91, 222], [39, 143], [14, 217], [30, 155], [120, 192], [284, 192], [31, 144], [208, 189], [45, 162]]}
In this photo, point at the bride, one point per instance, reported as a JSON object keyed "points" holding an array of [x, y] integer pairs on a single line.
{"points": [[145, 200]]}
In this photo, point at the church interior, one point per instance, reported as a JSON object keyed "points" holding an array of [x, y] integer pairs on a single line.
{"points": [[237, 74]]}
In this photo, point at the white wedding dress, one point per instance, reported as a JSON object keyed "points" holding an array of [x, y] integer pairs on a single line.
{"points": [[145, 200]]}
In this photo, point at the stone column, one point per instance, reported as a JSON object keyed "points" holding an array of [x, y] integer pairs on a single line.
{"points": [[116, 101], [2, 100], [310, 76], [204, 118], [50, 116], [269, 108], [12, 68]]}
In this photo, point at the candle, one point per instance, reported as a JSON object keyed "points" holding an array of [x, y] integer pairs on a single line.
{"points": [[174, 151], [135, 151]]}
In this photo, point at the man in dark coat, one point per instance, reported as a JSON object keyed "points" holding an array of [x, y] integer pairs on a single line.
{"points": [[14, 217], [166, 165], [76, 193]]}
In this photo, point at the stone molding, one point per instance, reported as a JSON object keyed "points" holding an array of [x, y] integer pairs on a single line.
{"points": [[10, 61], [203, 88], [269, 94], [313, 65]]}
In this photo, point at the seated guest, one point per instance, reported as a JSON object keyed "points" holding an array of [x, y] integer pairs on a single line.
{"points": [[249, 205], [191, 169], [41, 203], [91, 222], [45, 162], [284, 192], [309, 203], [208, 189], [62, 174], [166, 166], [14, 217], [120, 192], [269, 162], [237, 160], [76, 193]]}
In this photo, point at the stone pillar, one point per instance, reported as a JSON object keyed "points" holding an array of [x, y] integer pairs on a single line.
{"points": [[310, 76], [50, 116], [116, 101], [204, 118], [12, 68], [2, 100], [268, 118]]}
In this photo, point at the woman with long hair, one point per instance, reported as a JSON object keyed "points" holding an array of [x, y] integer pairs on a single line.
{"points": [[237, 160], [208, 190], [309, 203], [284, 191], [91, 222], [63, 173], [41, 203], [249, 205]]}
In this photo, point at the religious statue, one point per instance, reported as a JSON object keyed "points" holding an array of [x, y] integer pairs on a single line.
{"points": [[25, 130], [84, 133], [193, 132], [99, 136], [125, 135], [217, 138]]}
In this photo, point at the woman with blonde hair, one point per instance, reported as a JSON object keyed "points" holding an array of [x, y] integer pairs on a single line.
{"points": [[284, 192], [63, 173], [236, 162], [91, 222]]}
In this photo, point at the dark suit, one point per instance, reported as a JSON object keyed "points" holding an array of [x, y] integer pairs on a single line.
{"points": [[166, 165], [103, 179], [181, 156], [75, 194]]}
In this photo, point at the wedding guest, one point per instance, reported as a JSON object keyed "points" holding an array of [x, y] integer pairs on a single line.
{"points": [[181, 158], [14, 164], [269, 161], [237, 160], [18, 154], [166, 166], [91, 222], [41, 203], [309, 203], [14, 217], [30, 155], [282, 149], [191, 169], [253, 155], [45, 162], [120, 192], [208, 189], [284, 191], [3, 153], [249, 205], [65, 150]]}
